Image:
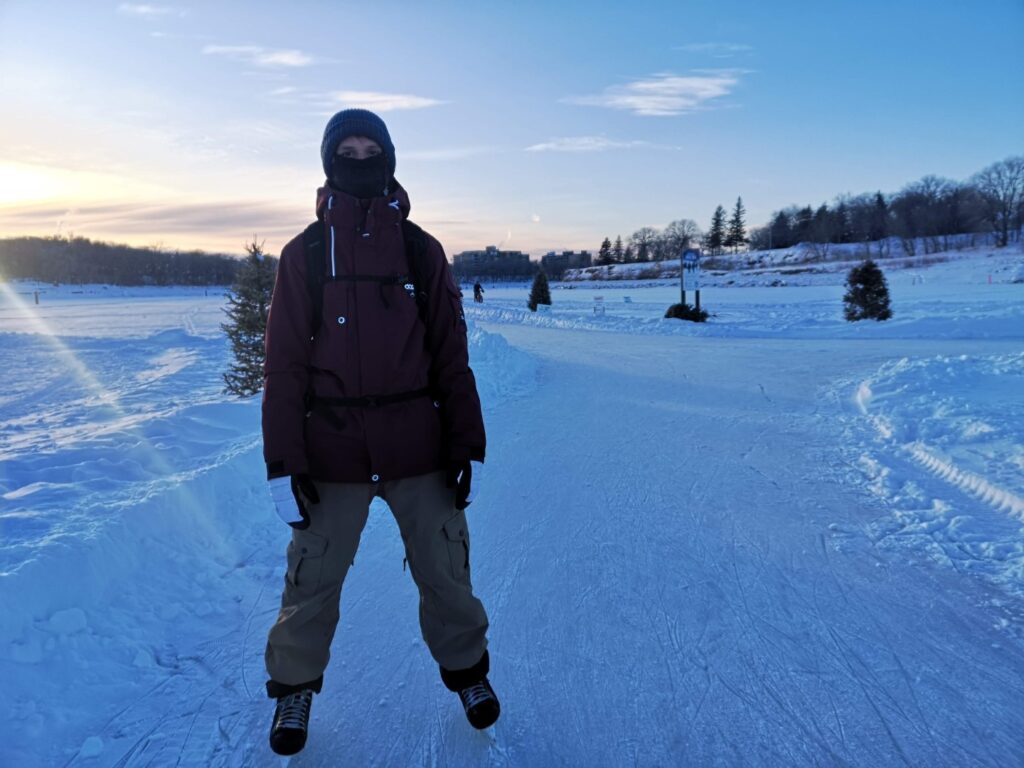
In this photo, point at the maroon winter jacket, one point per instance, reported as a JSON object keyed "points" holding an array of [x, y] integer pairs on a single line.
{"points": [[372, 342]]}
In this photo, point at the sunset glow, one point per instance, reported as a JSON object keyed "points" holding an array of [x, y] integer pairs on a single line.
{"points": [[536, 126]]}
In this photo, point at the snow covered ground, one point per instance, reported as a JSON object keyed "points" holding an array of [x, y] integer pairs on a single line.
{"points": [[775, 539]]}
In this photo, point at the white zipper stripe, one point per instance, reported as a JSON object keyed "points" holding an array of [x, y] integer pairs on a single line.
{"points": [[330, 204], [332, 251]]}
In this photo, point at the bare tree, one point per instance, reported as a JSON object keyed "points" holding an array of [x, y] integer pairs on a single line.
{"points": [[759, 238], [678, 236], [643, 241], [1002, 188]]}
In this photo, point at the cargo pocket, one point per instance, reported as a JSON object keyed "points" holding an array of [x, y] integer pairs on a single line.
{"points": [[457, 535], [305, 561]]}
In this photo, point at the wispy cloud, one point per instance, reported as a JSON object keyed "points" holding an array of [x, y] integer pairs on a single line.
{"points": [[149, 11], [264, 57], [718, 50], [665, 93], [381, 102], [447, 153], [213, 224], [584, 144]]}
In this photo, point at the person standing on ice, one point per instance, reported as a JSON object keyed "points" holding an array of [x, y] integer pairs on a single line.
{"points": [[368, 392]]}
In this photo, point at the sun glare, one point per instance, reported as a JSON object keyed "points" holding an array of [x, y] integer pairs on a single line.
{"points": [[25, 183], [125, 421]]}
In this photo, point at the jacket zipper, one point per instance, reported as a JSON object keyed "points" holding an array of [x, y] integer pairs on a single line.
{"points": [[330, 204]]}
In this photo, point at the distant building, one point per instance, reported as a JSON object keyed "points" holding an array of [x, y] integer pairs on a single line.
{"points": [[491, 262], [555, 264]]}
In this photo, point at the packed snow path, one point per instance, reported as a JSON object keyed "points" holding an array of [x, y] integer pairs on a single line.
{"points": [[667, 544]]}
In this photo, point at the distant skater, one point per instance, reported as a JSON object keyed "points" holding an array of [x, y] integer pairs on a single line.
{"points": [[368, 392], [478, 293]]}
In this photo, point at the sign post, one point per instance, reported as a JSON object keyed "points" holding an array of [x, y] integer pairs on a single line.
{"points": [[689, 261]]}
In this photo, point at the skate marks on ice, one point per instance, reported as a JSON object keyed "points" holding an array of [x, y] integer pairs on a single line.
{"points": [[940, 442], [697, 608]]}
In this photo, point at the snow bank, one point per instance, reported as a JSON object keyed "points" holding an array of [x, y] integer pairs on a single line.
{"points": [[948, 459], [501, 370]]}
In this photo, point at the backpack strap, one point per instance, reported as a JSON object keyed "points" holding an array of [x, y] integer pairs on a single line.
{"points": [[419, 266], [316, 254]]}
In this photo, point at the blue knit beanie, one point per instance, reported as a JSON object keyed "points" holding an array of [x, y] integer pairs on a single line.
{"points": [[355, 122]]}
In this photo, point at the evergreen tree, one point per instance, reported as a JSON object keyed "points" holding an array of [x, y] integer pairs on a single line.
{"points": [[867, 294], [248, 306], [617, 252], [540, 293], [716, 235], [821, 225], [737, 232], [604, 255], [842, 232], [879, 219], [627, 255], [803, 225], [781, 231]]}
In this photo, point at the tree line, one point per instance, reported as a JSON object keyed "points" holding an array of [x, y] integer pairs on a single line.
{"points": [[650, 244], [80, 260], [934, 214]]}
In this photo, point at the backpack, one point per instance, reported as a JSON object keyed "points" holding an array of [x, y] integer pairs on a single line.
{"points": [[316, 273]]}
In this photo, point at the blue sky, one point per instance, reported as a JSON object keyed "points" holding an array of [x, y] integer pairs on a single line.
{"points": [[532, 125]]}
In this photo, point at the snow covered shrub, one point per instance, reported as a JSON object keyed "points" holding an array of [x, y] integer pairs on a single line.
{"points": [[540, 293], [686, 312], [867, 294]]}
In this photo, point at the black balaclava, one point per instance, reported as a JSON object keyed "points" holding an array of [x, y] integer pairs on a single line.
{"points": [[370, 177], [361, 178]]}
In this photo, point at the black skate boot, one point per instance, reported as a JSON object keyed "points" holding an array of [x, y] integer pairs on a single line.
{"points": [[481, 705], [291, 722], [475, 692]]}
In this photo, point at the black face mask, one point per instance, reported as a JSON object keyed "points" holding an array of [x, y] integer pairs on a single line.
{"points": [[360, 178]]}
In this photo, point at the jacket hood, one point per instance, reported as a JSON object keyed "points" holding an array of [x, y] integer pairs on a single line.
{"points": [[398, 193]]}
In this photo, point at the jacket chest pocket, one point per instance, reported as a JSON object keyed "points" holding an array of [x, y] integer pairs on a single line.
{"points": [[336, 327]]}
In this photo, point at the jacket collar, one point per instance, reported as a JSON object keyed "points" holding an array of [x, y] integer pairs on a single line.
{"points": [[340, 208]]}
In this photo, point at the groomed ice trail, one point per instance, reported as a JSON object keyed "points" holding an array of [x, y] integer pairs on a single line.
{"points": [[672, 540], [677, 596]]}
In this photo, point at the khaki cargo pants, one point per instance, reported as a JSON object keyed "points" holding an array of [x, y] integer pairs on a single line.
{"points": [[452, 619]]}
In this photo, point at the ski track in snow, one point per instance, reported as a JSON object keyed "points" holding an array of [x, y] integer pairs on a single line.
{"points": [[947, 458], [693, 551]]}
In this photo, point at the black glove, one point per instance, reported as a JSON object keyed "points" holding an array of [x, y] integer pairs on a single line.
{"points": [[460, 477], [291, 496]]}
